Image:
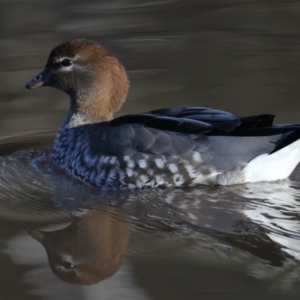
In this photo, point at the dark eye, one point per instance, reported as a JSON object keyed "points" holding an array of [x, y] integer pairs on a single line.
{"points": [[67, 265], [67, 62]]}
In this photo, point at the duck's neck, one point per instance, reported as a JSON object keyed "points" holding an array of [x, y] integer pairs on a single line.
{"points": [[88, 109], [76, 118]]}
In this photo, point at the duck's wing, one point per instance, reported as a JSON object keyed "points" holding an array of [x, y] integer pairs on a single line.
{"points": [[152, 134], [165, 122], [129, 138], [219, 119], [221, 138], [187, 119], [183, 119]]}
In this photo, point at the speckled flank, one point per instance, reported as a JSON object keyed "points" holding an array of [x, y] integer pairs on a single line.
{"points": [[126, 172]]}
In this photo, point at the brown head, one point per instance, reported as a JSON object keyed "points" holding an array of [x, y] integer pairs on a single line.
{"points": [[90, 74]]}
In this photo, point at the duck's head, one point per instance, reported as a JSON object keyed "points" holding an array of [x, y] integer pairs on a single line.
{"points": [[90, 74]]}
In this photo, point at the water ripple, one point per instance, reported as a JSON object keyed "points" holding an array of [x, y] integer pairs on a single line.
{"points": [[250, 217]]}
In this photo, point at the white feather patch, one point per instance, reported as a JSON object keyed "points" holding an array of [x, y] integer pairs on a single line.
{"points": [[278, 165]]}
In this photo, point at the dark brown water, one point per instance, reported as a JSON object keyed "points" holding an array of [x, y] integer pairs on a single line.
{"points": [[240, 242]]}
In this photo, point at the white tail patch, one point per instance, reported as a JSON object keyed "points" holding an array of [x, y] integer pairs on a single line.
{"points": [[278, 165]]}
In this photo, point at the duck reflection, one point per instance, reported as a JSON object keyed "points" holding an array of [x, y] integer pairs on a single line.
{"points": [[93, 246], [235, 220], [89, 249]]}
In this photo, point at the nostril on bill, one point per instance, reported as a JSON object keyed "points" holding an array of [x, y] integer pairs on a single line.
{"points": [[35, 82]]}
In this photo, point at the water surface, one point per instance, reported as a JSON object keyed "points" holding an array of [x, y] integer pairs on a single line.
{"points": [[206, 242]]}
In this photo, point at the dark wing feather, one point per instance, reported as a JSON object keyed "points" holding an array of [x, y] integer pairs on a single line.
{"points": [[290, 135], [181, 143], [259, 121], [219, 119], [162, 143], [186, 119], [184, 125], [116, 140]]}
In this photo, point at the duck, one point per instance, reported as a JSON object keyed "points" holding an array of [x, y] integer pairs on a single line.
{"points": [[164, 148]]}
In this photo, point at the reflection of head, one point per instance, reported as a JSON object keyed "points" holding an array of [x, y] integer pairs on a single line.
{"points": [[87, 251]]}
